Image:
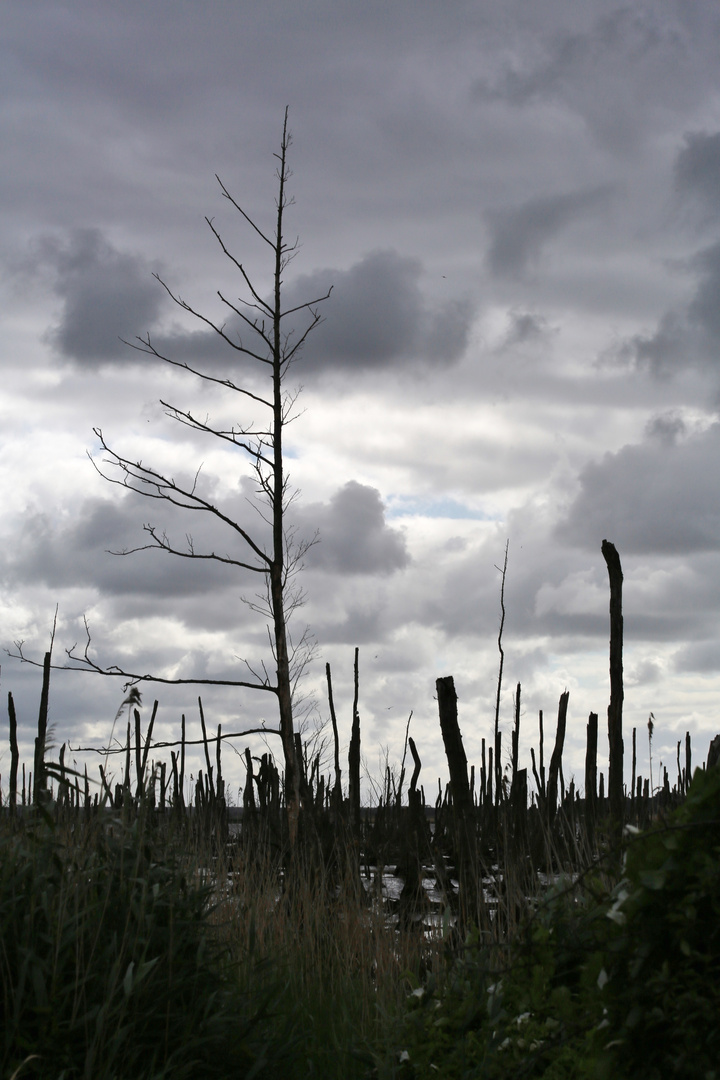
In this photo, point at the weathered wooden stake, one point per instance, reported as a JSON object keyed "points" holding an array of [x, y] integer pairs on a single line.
{"points": [[14, 754], [337, 790], [460, 790], [556, 759], [182, 760], [591, 772], [516, 736], [615, 708], [39, 763], [354, 753]]}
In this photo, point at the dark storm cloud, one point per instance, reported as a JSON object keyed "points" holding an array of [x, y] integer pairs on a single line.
{"points": [[621, 37], [697, 172], [525, 327], [519, 234], [660, 352], [688, 336], [106, 295], [354, 536], [613, 68], [377, 315], [659, 497], [704, 308]]}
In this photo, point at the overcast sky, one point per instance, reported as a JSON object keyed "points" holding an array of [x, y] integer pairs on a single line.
{"points": [[518, 208]]}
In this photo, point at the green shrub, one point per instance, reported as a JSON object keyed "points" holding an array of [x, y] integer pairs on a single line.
{"points": [[528, 1013], [663, 961], [621, 985]]}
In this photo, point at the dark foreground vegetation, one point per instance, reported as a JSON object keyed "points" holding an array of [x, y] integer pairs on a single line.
{"points": [[146, 943], [128, 951]]}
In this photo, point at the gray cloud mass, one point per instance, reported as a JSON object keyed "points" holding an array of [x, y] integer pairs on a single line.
{"points": [[354, 536], [657, 497], [377, 316], [518, 235], [697, 172], [106, 294]]}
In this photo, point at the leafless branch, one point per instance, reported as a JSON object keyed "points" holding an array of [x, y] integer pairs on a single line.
{"points": [[86, 664], [122, 749], [155, 485]]}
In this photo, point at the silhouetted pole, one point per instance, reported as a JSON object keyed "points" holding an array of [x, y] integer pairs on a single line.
{"points": [[463, 808], [39, 787], [354, 755], [591, 774], [556, 759], [615, 734], [14, 754]]}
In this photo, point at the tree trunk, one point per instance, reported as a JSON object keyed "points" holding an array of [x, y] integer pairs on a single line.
{"points": [[463, 809], [615, 708], [14, 753], [556, 759], [591, 775], [39, 788], [354, 754]]}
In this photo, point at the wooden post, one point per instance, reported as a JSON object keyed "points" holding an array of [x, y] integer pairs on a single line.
{"points": [[591, 774], [483, 776], [516, 738], [337, 790], [148, 740], [461, 799], [39, 765], [219, 782], [520, 812], [176, 789], [138, 756], [14, 754], [207, 750], [540, 794], [354, 754], [248, 790], [128, 745], [542, 752], [556, 759], [615, 708], [181, 778]]}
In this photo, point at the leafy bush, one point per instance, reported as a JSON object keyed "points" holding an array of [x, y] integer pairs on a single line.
{"points": [[620, 984], [663, 962], [528, 1014]]}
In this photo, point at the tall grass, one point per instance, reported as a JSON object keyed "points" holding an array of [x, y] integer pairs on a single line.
{"points": [[346, 965], [128, 951], [110, 964], [139, 945]]}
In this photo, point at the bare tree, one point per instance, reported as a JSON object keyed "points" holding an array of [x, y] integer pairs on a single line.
{"points": [[271, 337]]}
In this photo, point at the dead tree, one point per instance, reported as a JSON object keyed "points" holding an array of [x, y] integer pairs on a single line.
{"points": [[615, 708], [269, 337]]}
